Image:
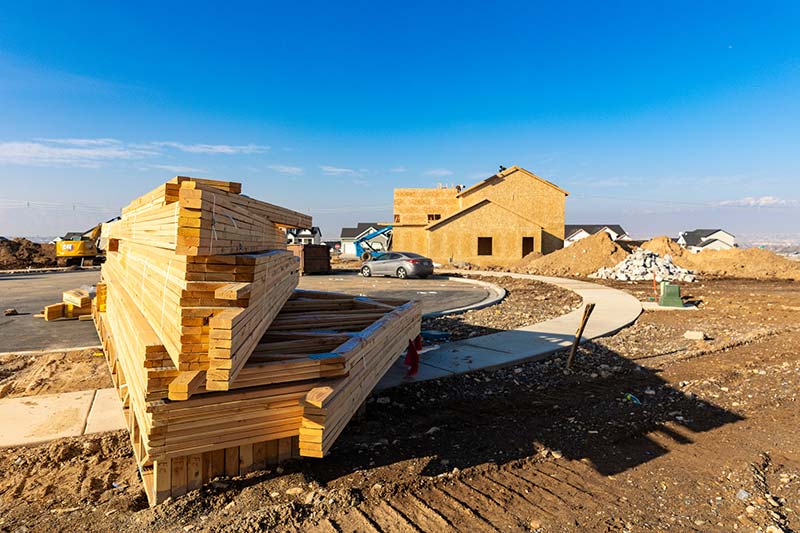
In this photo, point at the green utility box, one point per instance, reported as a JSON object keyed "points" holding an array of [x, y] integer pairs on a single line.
{"points": [[670, 295]]}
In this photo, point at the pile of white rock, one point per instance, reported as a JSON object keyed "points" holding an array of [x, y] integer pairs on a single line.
{"points": [[641, 265]]}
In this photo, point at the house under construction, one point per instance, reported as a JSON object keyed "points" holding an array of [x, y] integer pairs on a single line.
{"points": [[495, 222]]}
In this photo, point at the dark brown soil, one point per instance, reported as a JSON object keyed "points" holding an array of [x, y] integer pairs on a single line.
{"points": [[22, 253], [649, 432]]}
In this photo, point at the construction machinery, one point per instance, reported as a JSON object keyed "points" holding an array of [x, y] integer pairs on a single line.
{"points": [[365, 251], [77, 248]]}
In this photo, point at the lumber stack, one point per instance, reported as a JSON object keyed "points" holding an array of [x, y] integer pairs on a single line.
{"points": [[314, 258], [74, 304], [221, 364]]}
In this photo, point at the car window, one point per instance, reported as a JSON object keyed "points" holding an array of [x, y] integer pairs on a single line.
{"points": [[391, 257], [413, 255]]}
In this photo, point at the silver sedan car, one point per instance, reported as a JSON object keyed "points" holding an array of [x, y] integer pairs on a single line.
{"points": [[400, 264]]}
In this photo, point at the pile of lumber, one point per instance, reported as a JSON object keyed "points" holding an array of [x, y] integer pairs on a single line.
{"points": [[75, 304], [221, 364], [314, 258]]}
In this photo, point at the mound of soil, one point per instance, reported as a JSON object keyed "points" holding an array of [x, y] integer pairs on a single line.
{"points": [[22, 253], [752, 263], [664, 245], [737, 263], [580, 259]]}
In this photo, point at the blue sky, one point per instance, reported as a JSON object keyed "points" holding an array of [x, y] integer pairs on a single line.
{"points": [[658, 115]]}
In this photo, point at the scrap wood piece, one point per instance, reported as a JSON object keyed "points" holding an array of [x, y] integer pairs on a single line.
{"points": [[587, 312], [77, 297]]}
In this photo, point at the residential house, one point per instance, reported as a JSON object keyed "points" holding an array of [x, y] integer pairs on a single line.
{"points": [[706, 239], [349, 236], [495, 222], [304, 235], [576, 232]]}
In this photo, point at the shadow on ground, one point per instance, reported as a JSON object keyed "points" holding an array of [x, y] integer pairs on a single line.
{"points": [[602, 411]]}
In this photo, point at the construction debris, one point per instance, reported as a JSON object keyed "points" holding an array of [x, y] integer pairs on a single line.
{"points": [[178, 320], [644, 265]]}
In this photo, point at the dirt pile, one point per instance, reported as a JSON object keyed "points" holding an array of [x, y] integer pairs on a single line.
{"points": [[737, 263], [580, 259], [752, 263], [664, 246], [22, 253]]}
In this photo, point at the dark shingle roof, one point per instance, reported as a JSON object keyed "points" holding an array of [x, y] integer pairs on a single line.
{"points": [[352, 233], [695, 237], [591, 229]]}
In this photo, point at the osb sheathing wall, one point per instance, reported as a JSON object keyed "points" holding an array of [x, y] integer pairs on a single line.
{"points": [[413, 206], [410, 239], [457, 239], [532, 198], [528, 202]]}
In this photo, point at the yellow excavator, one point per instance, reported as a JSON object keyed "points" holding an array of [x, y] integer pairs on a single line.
{"points": [[80, 249]]}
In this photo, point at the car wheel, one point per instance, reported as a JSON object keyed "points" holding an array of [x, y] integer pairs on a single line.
{"points": [[401, 273], [366, 272]]}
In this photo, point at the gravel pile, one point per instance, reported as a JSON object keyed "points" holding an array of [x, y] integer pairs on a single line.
{"points": [[640, 266]]}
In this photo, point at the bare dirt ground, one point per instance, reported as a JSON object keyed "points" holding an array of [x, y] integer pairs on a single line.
{"points": [[49, 373], [526, 302], [649, 432]]}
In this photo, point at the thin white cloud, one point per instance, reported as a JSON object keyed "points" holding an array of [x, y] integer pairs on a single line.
{"points": [[82, 142], [398, 170], [90, 153], [439, 172], [286, 169], [329, 170], [361, 182], [213, 148], [759, 201], [179, 169]]}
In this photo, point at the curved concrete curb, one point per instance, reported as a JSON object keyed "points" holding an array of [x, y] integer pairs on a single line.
{"points": [[614, 310], [496, 295]]}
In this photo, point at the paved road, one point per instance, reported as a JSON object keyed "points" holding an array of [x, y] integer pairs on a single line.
{"points": [[29, 293], [436, 293]]}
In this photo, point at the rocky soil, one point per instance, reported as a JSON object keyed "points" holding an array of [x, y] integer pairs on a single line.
{"points": [[644, 265], [526, 302], [650, 431]]}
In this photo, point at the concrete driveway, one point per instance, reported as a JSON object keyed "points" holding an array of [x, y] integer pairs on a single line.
{"points": [[29, 293]]}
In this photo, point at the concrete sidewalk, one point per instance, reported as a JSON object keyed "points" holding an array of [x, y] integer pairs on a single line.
{"points": [[36, 419], [614, 309]]}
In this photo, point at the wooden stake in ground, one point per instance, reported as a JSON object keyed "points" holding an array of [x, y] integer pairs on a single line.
{"points": [[587, 311]]}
